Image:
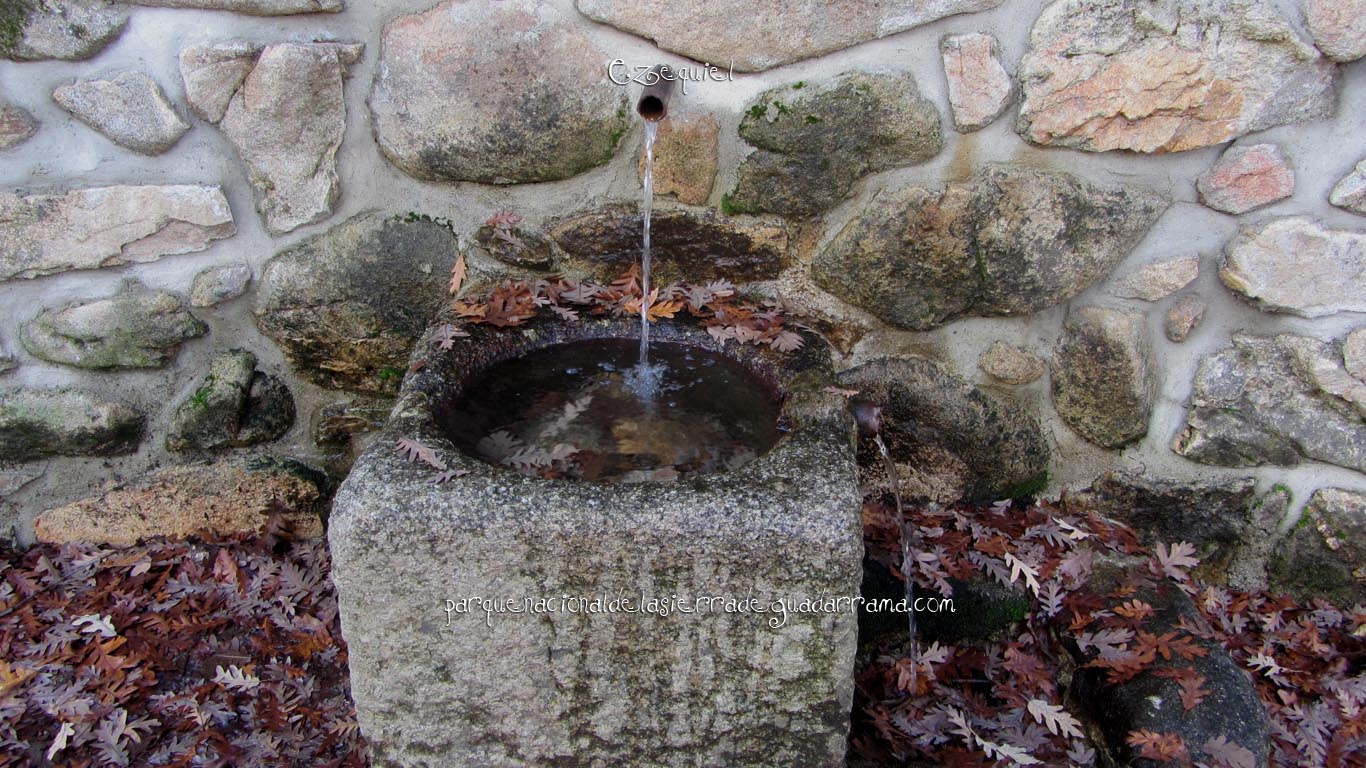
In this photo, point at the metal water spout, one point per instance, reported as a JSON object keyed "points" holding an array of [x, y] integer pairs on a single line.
{"points": [[653, 104]]}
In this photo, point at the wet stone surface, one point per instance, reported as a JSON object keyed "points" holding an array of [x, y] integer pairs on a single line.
{"points": [[696, 244], [998, 444]]}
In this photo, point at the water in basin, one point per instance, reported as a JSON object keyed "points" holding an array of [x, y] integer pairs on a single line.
{"points": [[590, 411]]}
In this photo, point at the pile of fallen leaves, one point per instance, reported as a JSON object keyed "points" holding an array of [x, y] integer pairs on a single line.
{"points": [[221, 653], [228, 652], [716, 305], [1001, 702], [1310, 670]]}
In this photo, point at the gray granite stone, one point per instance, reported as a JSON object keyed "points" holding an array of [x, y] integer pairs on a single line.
{"points": [[526, 690]]}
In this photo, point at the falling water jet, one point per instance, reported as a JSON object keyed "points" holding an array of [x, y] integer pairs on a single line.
{"points": [[868, 416], [653, 106], [651, 130]]}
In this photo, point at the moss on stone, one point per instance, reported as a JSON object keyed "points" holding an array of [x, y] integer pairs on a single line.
{"points": [[413, 217], [200, 398], [1027, 489], [294, 468], [730, 207], [35, 424], [13, 18]]}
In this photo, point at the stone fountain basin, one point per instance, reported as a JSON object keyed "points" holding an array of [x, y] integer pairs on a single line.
{"points": [[717, 688]]}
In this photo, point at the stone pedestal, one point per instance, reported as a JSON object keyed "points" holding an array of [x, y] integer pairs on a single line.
{"points": [[624, 682]]}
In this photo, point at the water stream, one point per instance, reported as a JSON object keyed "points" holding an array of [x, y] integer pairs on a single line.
{"points": [[651, 130], [907, 545]]}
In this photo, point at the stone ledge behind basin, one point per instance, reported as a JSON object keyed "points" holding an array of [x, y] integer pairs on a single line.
{"points": [[685, 243], [685, 689]]}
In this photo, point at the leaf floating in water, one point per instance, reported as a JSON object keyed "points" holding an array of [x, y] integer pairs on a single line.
{"points": [[581, 412], [414, 451], [572, 410], [498, 445], [534, 457]]}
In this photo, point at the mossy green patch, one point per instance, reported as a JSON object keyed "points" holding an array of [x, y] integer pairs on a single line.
{"points": [[413, 217], [1027, 489], [730, 207], [293, 467], [13, 18], [200, 398]]}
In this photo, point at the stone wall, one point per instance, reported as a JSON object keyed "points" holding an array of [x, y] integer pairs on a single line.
{"points": [[1139, 225]]}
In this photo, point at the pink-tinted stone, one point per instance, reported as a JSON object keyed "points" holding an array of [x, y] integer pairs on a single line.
{"points": [[1158, 280], [1338, 27], [685, 157], [1246, 178], [1166, 75], [16, 125], [980, 89], [1011, 364]]}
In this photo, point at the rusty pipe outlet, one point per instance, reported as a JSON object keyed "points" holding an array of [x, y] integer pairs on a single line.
{"points": [[653, 104]]}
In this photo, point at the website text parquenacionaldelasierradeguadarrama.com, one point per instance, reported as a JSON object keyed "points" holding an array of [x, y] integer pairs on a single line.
{"points": [[778, 609]]}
